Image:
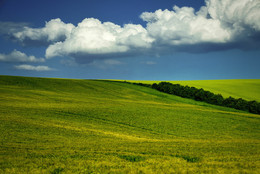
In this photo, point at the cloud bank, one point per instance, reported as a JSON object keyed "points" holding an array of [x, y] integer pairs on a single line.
{"points": [[17, 56], [219, 25]]}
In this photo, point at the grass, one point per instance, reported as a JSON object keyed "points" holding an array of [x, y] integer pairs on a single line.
{"points": [[132, 158], [92, 126], [248, 89]]}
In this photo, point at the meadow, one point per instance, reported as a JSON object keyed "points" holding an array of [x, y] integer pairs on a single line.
{"points": [[97, 126], [248, 89]]}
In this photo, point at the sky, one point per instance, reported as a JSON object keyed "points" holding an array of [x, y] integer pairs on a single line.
{"points": [[131, 39]]}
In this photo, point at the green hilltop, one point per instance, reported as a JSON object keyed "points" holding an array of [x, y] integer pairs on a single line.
{"points": [[97, 126], [248, 89]]}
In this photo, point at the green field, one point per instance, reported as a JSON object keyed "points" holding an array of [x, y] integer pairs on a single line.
{"points": [[248, 89], [95, 126]]}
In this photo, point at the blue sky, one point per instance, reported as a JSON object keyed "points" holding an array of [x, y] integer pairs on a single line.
{"points": [[142, 40]]}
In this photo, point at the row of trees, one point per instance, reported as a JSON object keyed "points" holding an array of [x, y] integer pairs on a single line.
{"points": [[205, 96]]}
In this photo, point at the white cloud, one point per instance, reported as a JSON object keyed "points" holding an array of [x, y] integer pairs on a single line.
{"points": [[220, 24], [17, 56], [33, 68], [220, 21], [214, 25], [91, 38], [183, 26], [236, 14], [54, 30]]}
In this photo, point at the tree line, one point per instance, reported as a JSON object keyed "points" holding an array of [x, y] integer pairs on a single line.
{"points": [[205, 96]]}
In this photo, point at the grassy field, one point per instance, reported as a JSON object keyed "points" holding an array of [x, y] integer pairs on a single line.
{"points": [[93, 126], [248, 89]]}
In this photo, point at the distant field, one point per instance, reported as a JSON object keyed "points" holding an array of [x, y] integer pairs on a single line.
{"points": [[94, 126], [248, 89]]}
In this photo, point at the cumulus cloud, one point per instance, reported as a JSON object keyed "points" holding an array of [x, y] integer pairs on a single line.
{"points": [[219, 25], [33, 68], [241, 18], [17, 56], [93, 39], [55, 30], [236, 14], [183, 26]]}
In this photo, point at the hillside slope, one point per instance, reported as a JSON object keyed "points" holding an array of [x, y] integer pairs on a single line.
{"points": [[248, 89], [84, 126]]}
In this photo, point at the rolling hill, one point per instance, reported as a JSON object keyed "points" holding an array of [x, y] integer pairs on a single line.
{"points": [[96, 126], [248, 89]]}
